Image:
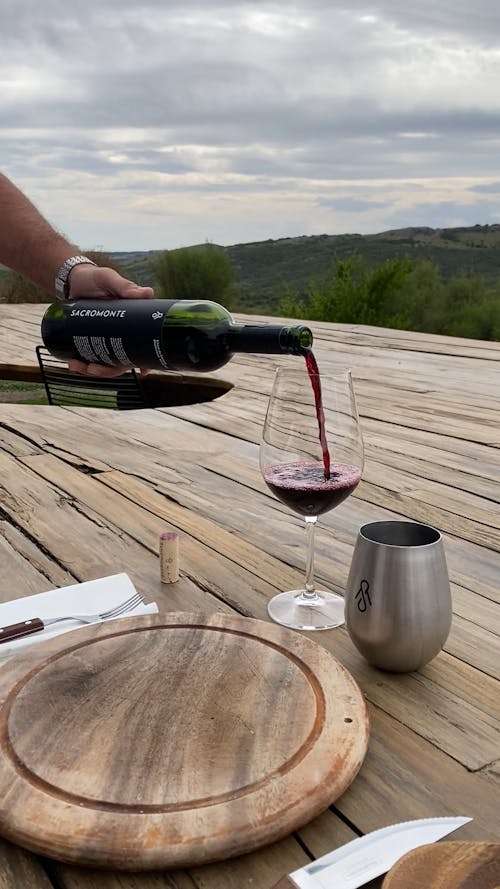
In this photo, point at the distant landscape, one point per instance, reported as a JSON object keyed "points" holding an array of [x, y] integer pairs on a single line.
{"points": [[266, 271], [443, 281]]}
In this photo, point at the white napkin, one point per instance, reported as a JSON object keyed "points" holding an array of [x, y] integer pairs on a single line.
{"points": [[91, 597]]}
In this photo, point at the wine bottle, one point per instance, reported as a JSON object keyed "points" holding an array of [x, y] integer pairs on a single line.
{"points": [[161, 334]]}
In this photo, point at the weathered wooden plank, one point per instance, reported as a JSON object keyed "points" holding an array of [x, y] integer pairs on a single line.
{"points": [[402, 504], [493, 773], [83, 543], [143, 514], [470, 566], [26, 569], [405, 776], [14, 443], [479, 475], [435, 712], [259, 869], [85, 878], [20, 869], [478, 566], [464, 681], [407, 504], [476, 609], [476, 646]]}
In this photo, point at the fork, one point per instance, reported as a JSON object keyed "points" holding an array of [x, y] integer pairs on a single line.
{"points": [[36, 624]]}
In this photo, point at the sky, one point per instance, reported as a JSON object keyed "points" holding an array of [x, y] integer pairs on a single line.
{"points": [[165, 123]]}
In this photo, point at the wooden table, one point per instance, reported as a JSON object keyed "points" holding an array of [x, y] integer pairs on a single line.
{"points": [[81, 498]]}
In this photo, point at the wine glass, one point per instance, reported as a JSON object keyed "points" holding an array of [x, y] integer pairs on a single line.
{"points": [[311, 458]]}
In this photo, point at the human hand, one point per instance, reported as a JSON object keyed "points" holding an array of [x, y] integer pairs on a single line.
{"points": [[94, 282]]}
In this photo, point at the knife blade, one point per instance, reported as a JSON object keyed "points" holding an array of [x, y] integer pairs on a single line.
{"points": [[369, 856]]}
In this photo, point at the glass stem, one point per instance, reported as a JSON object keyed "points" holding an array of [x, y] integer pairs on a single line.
{"points": [[309, 590]]}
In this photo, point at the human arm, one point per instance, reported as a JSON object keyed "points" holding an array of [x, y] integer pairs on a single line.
{"points": [[32, 247], [28, 243]]}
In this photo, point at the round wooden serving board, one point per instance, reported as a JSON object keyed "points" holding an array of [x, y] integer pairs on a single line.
{"points": [[447, 866], [173, 740]]}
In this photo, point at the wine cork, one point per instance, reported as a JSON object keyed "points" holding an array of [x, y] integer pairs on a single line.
{"points": [[169, 557]]}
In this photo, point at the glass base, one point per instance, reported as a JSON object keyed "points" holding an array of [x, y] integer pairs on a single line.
{"points": [[298, 611]]}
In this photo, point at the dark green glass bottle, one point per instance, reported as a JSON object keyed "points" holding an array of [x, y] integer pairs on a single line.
{"points": [[161, 334]]}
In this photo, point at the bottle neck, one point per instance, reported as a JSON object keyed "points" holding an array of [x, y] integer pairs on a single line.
{"points": [[270, 339]]}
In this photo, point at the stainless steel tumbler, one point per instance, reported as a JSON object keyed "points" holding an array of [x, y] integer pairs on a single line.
{"points": [[398, 599]]}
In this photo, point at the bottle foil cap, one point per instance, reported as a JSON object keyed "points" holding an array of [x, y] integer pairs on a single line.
{"points": [[169, 557]]}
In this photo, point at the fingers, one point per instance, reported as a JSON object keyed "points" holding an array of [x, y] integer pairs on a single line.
{"points": [[95, 282], [135, 291], [96, 370], [110, 283]]}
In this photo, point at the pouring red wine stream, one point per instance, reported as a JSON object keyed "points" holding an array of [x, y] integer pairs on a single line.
{"points": [[313, 371]]}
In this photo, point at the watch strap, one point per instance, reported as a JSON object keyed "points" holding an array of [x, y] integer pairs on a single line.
{"points": [[61, 283]]}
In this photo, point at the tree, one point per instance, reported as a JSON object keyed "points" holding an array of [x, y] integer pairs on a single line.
{"points": [[17, 288], [353, 294], [421, 301], [404, 294], [195, 273]]}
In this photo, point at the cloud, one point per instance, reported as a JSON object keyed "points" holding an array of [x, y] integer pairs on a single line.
{"points": [[249, 119], [352, 205], [487, 188], [447, 214]]}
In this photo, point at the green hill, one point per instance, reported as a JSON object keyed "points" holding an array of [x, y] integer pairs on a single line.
{"points": [[266, 270]]}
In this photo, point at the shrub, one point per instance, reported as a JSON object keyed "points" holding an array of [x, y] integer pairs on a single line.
{"points": [[195, 273]]}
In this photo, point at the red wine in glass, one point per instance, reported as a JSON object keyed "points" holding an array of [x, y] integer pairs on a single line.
{"points": [[303, 487]]}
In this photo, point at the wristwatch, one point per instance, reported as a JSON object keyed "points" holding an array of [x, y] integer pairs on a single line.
{"points": [[61, 283]]}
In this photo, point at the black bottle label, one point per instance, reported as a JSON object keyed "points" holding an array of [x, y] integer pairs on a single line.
{"points": [[129, 333]]}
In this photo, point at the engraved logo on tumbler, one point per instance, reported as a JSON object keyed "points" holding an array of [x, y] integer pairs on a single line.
{"points": [[157, 315], [363, 598]]}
